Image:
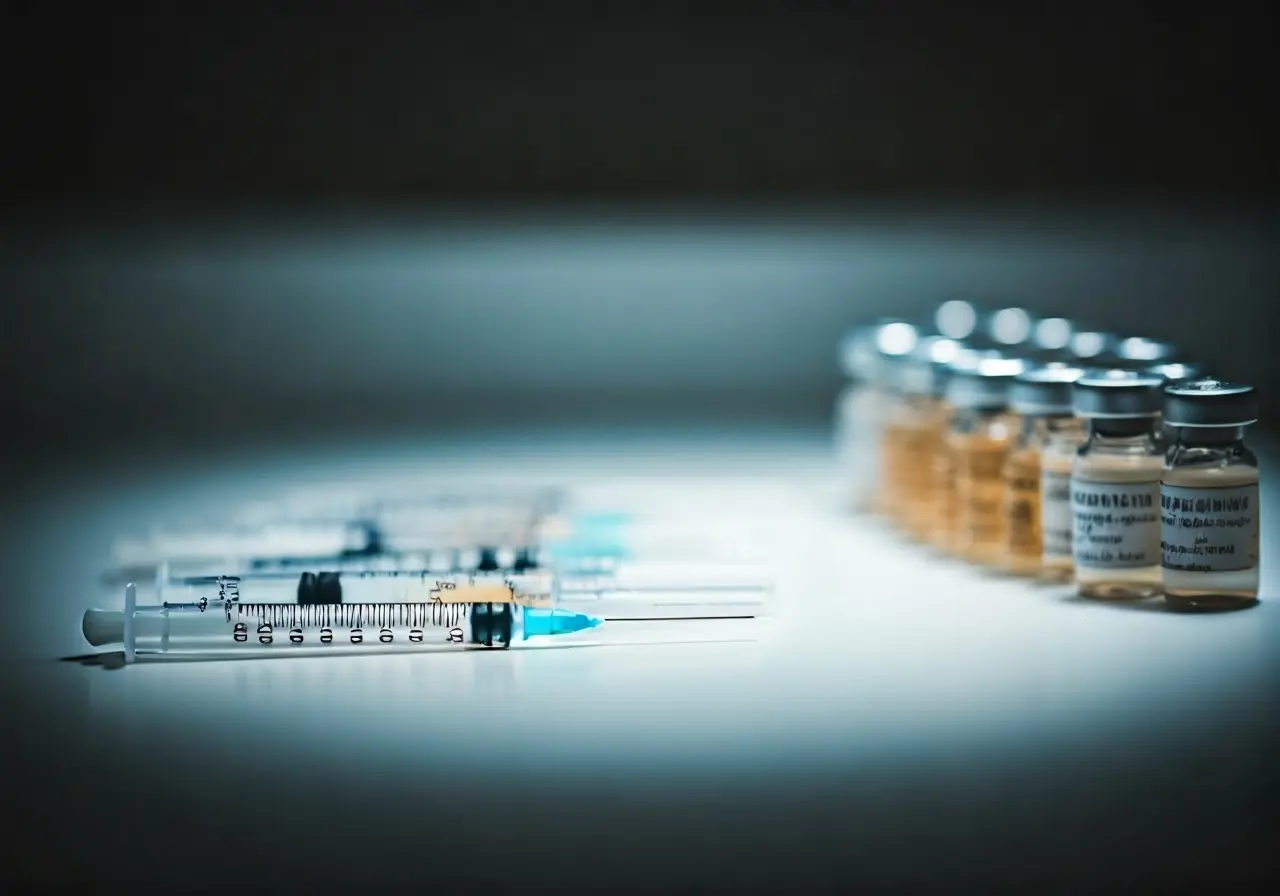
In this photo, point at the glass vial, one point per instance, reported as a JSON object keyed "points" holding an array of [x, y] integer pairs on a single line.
{"points": [[1209, 497], [1115, 486], [1039, 524], [894, 342], [920, 423], [980, 435], [863, 409], [859, 411]]}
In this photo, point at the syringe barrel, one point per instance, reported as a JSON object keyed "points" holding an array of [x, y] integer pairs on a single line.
{"points": [[266, 630], [330, 527], [362, 500], [229, 628], [298, 539], [440, 561], [358, 587], [417, 528], [627, 591]]}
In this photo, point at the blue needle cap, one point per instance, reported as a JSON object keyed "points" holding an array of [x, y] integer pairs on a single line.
{"points": [[555, 622]]}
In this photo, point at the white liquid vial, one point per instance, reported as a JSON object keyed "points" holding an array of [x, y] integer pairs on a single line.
{"points": [[864, 408], [1115, 486], [1038, 471], [1209, 497]]}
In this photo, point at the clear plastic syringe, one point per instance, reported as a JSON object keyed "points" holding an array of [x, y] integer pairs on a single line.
{"points": [[442, 561], [355, 500], [329, 613], [340, 528], [437, 538]]}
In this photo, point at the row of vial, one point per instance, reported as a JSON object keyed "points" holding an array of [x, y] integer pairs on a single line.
{"points": [[1037, 450]]}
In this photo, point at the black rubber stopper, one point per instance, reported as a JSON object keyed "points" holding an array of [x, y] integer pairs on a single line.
{"points": [[488, 560], [319, 588], [492, 624], [525, 561]]}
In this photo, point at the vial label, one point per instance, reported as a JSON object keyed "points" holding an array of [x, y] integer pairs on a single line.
{"points": [[1056, 519], [1117, 524], [1209, 529]]}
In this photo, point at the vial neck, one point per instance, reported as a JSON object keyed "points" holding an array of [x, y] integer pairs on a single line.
{"points": [[983, 413], [1203, 436], [1052, 425], [1123, 427]]}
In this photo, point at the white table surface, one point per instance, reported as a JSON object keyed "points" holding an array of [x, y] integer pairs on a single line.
{"points": [[905, 721]]}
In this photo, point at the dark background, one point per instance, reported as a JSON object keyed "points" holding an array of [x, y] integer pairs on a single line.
{"points": [[329, 219], [250, 224], [395, 102]]}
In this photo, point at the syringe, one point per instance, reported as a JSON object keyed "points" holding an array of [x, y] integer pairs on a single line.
{"points": [[432, 539], [331, 613], [350, 528], [354, 500], [442, 561]]}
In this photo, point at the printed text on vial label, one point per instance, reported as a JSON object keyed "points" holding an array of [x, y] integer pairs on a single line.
{"points": [[1055, 513], [1117, 524], [1209, 529]]}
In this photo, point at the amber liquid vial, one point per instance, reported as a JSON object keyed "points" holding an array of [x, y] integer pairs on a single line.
{"points": [[910, 445], [920, 464], [944, 534], [1209, 498], [888, 503], [1115, 486], [979, 461], [1023, 537], [921, 506], [980, 437]]}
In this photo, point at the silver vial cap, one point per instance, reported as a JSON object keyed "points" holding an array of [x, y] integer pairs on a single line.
{"points": [[1088, 345], [1178, 371], [1044, 390], [1208, 402], [1010, 327], [926, 370], [1053, 334], [1118, 394], [957, 319], [1141, 353], [870, 353], [980, 380]]}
